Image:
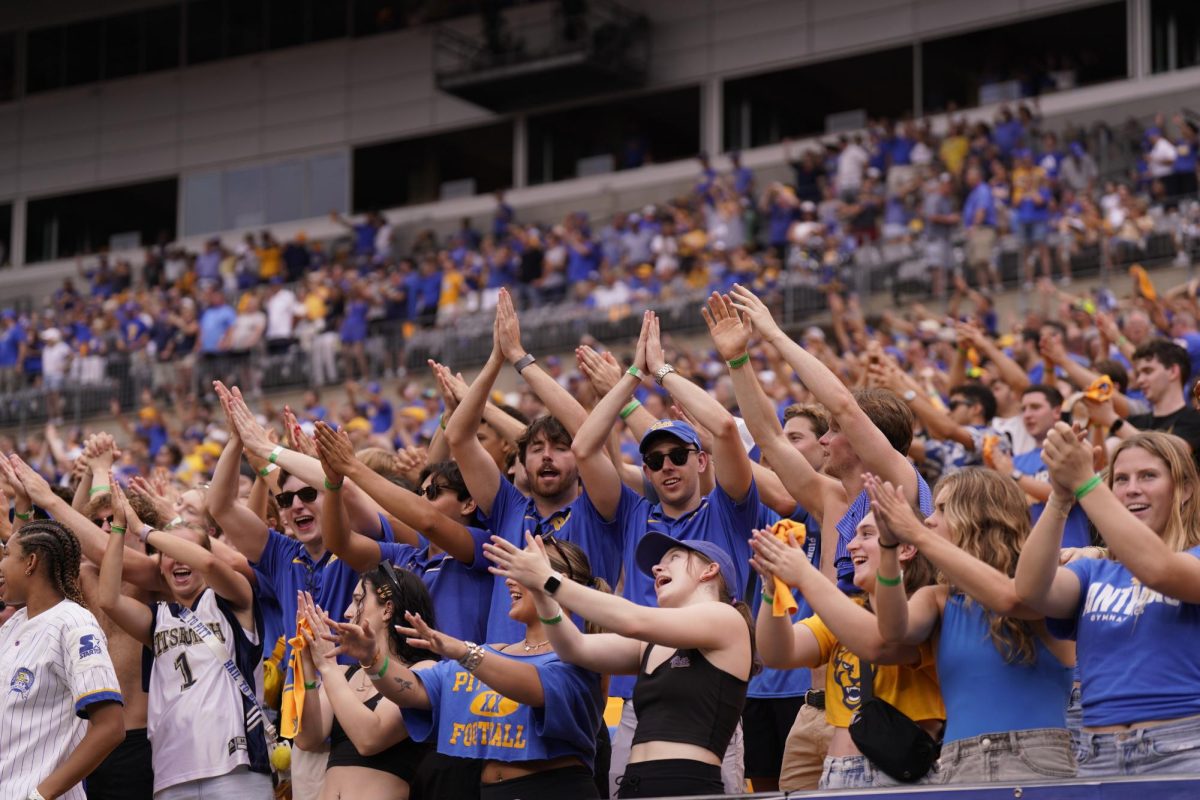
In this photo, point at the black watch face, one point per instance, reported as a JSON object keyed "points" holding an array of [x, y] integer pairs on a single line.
{"points": [[552, 584]]}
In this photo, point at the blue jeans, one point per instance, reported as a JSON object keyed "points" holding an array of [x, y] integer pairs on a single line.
{"points": [[857, 772], [1169, 749]]}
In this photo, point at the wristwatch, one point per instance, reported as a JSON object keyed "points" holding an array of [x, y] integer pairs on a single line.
{"points": [[523, 362], [1016, 475], [552, 583], [909, 395], [662, 372]]}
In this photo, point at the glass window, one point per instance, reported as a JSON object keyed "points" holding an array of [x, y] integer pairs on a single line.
{"points": [[1025, 59], [285, 192], [5, 234], [82, 48], [201, 203], [876, 84], [122, 45], [203, 31], [1174, 34], [44, 60], [69, 225], [161, 38], [620, 134]]}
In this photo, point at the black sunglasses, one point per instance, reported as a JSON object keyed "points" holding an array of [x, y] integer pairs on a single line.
{"points": [[99, 521], [678, 456], [307, 495], [953, 404], [432, 491], [552, 540]]}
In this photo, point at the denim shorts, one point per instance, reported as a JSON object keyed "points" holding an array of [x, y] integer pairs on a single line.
{"points": [[1170, 749], [1039, 754], [1032, 232], [857, 772]]}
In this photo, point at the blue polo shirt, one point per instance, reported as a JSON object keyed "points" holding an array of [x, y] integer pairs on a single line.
{"points": [[1077, 531], [718, 519], [461, 595], [858, 509], [287, 568], [512, 514]]}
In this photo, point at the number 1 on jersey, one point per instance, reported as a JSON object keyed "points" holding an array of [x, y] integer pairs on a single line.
{"points": [[181, 664]]}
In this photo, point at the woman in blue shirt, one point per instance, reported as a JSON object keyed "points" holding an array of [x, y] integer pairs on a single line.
{"points": [[1135, 619], [531, 717], [693, 655], [1016, 730]]}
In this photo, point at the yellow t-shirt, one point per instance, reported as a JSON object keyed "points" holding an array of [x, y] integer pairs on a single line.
{"points": [[954, 152], [452, 288], [912, 689], [270, 262]]}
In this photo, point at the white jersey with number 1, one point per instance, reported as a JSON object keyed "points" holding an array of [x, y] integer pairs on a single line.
{"points": [[197, 715], [53, 667]]}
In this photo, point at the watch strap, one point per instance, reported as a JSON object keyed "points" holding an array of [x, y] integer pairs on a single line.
{"points": [[523, 362], [662, 372]]}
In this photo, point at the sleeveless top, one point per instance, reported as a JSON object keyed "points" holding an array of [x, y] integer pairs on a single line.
{"points": [[984, 693], [401, 759], [686, 699]]}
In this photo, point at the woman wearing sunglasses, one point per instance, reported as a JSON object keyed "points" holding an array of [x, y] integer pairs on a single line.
{"points": [[529, 716], [206, 735], [370, 752], [693, 655]]}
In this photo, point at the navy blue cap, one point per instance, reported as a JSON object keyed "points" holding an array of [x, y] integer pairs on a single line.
{"points": [[654, 546], [670, 427]]}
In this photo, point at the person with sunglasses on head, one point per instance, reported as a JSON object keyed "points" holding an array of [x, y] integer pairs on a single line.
{"points": [[60, 714], [556, 504], [443, 513], [692, 653], [189, 676], [371, 754], [531, 717]]}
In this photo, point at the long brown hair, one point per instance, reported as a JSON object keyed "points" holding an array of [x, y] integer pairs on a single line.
{"points": [[726, 596], [1183, 526], [989, 520]]}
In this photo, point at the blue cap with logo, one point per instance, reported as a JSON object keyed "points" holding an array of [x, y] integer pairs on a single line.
{"points": [[654, 546], [670, 427]]}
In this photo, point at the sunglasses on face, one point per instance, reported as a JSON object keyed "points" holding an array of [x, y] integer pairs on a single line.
{"points": [[307, 495], [99, 521], [432, 491], [678, 456], [953, 404]]}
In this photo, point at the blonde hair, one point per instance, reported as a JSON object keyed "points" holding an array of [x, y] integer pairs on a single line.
{"points": [[1183, 526], [380, 460], [989, 520]]}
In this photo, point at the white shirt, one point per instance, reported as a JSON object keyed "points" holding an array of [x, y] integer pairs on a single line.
{"points": [[282, 310], [54, 359], [850, 165], [1162, 158], [247, 330], [608, 296], [1022, 442], [54, 666]]}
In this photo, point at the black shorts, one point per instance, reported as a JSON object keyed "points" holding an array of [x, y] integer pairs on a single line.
{"points": [[672, 777], [553, 784], [442, 777], [766, 722], [127, 773]]}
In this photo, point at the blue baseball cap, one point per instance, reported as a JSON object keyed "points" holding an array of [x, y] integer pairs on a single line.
{"points": [[373, 387], [654, 546], [670, 427]]}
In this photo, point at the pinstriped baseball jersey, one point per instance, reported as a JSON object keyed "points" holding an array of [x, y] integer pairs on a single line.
{"points": [[52, 667]]}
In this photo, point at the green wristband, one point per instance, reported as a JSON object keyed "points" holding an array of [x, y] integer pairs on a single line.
{"points": [[740, 361], [275, 453], [95, 490], [769, 599], [333, 487], [115, 528], [882, 581], [631, 407], [268, 469], [1084, 490], [310, 685], [557, 618], [382, 670], [24, 516], [634, 371]]}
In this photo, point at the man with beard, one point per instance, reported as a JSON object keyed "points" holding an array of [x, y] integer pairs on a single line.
{"points": [[555, 507], [673, 464]]}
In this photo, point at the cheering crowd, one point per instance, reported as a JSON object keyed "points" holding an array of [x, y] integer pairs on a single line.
{"points": [[906, 559]]}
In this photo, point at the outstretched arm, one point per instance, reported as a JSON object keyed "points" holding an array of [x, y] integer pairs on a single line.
{"points": [[868, 442], [242, 527], [479, 471]]}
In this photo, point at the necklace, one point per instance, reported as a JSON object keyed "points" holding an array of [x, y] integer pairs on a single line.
{"points": [[529, 646]]}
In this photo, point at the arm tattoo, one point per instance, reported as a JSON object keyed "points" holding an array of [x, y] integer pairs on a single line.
{"points": [[404, 685]]}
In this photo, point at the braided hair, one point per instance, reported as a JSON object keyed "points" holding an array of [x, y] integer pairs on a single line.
{"points": [[59, 548]]}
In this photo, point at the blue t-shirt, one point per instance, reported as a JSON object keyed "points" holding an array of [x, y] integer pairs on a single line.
{"points": [[213, 323], [287, 568], [512, 514], [1138, 651], [857, 510], [461, 594], [466, 719], [1076, 532], [10, 345], [786, 682], [980, 198], [718, 519]]}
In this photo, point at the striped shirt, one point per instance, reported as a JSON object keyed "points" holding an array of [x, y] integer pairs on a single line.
{"points": [[56, 665]]}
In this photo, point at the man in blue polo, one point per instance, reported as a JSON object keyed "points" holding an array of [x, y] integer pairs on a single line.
{"points": [[673, 462]]}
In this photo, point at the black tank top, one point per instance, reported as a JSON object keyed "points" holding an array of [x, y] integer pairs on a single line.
{"points": [[686, 699], [401, 759]]}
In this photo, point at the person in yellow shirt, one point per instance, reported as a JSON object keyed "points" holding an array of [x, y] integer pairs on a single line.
{"points": [[954, 148], [842, 634], [270, 257]]}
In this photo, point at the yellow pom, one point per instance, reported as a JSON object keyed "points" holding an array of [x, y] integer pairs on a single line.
{"points": [[281, 757]]}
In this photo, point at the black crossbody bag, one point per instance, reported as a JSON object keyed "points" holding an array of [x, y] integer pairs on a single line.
{"points": [[886, 736]]}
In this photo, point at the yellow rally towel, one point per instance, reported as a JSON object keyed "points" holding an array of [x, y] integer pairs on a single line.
{"points": [[1144, 284], [785, 604], [293, 689], [273, 674]]}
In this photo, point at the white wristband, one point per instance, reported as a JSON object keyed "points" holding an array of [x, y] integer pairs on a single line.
{"points": [[144, 532], [34, 794]]}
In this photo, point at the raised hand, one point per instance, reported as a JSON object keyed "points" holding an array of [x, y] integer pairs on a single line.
{"points": [[318, 636], [13, 486], [35, 486], [529, 567], [335, 451], [420, 635], [120, 503], [639, 354], [1068, 456], [508, 328], [655, 357], [356, 641], [785, 561], [601, 369], [895, 518], [730, 335], [253, 436], [755, 310], [706, 437], [142, 488], [411, 460]]}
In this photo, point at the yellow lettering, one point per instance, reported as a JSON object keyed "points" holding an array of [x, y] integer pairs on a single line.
{"points": [[519, 742], [460, 679], [455, 731], [497, 737]]}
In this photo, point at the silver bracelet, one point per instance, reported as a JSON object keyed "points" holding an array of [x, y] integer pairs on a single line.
{"points": [[471, 660]]}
